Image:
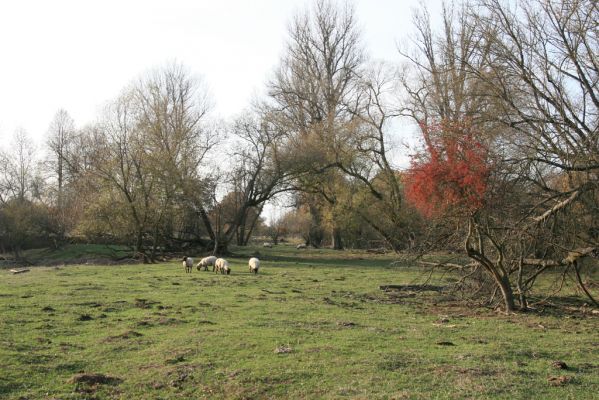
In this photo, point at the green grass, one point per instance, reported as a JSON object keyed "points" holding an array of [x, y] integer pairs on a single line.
{"points": [[170, 335]]}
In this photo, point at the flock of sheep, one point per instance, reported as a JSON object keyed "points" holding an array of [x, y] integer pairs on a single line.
{"points": [[218, 264], [221, 265]]}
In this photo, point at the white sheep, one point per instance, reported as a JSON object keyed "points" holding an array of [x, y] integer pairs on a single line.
{"points": [[205, 262], [267, 244], [301, 246], [188, 264], [221, 265], [254, 265]]}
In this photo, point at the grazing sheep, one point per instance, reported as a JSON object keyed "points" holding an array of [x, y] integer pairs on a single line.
{"points": [[254, 265], [205, 262], [221, 265], [301, 246], [266, 244], [188, 264]]}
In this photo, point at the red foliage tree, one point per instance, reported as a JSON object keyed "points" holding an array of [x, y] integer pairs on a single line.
{"points": [[451, 172]]}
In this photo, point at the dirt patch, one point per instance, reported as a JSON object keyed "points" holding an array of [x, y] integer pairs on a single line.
{"points": [[48, 309], [395, 362], [91, 304], [272, 291], [123, 336], [85, 317], [559, 365], [180, 375], [344, 304], [475, 371], [145, 303], [94, 379], [559, 380], [347, 324], [69, 346], [175, 360], [283, 350], [170, 321]]}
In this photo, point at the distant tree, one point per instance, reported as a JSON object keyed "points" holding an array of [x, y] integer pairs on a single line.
{"points": [[276, 229], [258, 172], [20, 223], [147, 154], [297, 223], [312, 94], [60, 143], [18, 169], [23, 218]]}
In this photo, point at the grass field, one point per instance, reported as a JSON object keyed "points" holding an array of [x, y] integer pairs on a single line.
{"points": [[313, 324]]}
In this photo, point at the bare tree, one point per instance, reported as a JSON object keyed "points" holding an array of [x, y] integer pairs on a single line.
{"points": [[526, 80], [172, 109], [259, 172], [21, 219], [549, 50], [60, 142], [149, 150], [19, 167], [314, 86]]}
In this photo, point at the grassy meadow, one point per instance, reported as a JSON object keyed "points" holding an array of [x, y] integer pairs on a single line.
{"points": [[312, 324]]}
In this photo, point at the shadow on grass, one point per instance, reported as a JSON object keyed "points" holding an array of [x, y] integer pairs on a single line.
{"points": [[314, 261], [559, 306]]}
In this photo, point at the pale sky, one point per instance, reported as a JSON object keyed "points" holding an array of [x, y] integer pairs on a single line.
{"points": [[77, 54]]}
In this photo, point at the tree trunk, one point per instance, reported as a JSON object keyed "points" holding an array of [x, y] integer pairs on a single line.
{"points": [[241, 230], [316, 233], [138, 247], [581, 283], [206, 220], [520, 287], [336, 239], [246, 239], [215, 248], [388, 238], [507, 293]]}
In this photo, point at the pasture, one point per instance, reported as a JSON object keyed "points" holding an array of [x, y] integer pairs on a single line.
{"points": [[312, 324]]}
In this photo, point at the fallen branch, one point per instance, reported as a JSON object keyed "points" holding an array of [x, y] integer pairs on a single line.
{"points": [[19, 271], [562, 204], [539, 262], [417, 288], [571, 258], [451, 265]]}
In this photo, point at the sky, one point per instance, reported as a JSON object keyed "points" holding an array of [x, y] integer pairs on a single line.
{"points": [[78, 55]]}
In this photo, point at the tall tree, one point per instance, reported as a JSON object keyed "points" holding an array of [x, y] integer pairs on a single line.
{"points": [[60, 143], [521, 82], [315, 87]]}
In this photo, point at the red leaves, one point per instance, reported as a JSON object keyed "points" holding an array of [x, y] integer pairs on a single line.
{"points": [[451, 173]]}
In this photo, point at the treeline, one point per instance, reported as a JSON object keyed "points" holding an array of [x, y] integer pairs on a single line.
{"points": [[504, 95]]}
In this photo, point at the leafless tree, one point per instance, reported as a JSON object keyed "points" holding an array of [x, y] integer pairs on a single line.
{"points": [[60, 143], [314, 86], [524, 74], [18, 179], [259, 173]]}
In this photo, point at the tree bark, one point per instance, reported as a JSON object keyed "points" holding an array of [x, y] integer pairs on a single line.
{"points": [[315, 234], [337, 243], [507, 293]]}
